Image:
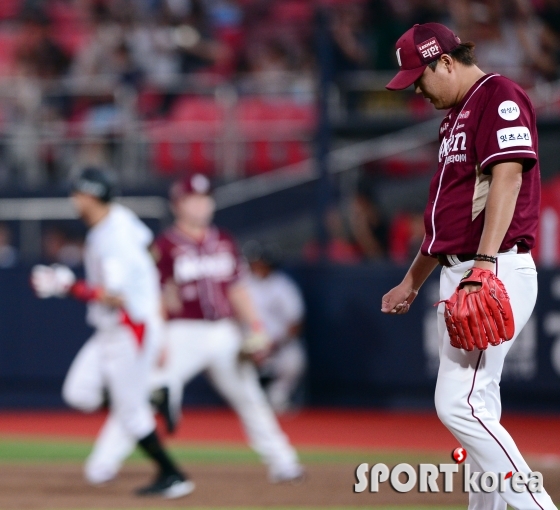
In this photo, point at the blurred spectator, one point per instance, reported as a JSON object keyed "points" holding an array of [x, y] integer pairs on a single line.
{"points": [[368, 227], [339, 249], [197, 46], [509, 37], [280, 307], [367, 223], [38, 55], [8, 253], [549, 12], [107, 54], [351, 51], [273, 70], [386, 26], [406, 236], [61, 247]]}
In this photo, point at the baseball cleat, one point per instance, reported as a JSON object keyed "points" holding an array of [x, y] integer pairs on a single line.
{"points": [[168, 487], [160, 400], [295, 476]]}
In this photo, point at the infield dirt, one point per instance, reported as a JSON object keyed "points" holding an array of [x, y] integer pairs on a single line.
{"points": [[61, 486]]}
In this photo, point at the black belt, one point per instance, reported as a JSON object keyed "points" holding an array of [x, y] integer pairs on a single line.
{"points": [[451, 260], [445, 262]]}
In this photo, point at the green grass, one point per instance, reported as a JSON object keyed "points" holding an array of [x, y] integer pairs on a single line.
{"points": [[57, 450], [37, 450]]}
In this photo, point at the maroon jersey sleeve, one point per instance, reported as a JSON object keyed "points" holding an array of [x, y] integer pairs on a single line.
{"points": [[507, 128], [161, 253]]}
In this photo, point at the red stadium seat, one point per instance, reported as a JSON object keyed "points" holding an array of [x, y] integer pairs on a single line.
{"points": [[8, 44], [275, 132], [10, 8], [72, 38], [187, 141]]}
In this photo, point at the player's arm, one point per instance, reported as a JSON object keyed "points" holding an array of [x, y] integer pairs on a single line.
{"points": [[399, 299], [243, 307], [58, 280], [256, 344], [111, 287], [500, 206], [84, 292]]}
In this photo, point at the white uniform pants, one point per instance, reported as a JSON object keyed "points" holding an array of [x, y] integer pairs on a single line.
{"points": [[195, 345], [467, 394], [113, 360]]}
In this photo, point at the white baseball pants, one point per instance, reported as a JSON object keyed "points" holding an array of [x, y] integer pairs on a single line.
{"points": [[196, 345], [112, 359], [467, 394]]}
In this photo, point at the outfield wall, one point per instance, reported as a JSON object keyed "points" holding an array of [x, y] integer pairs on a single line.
{"points": [[357, 356]]}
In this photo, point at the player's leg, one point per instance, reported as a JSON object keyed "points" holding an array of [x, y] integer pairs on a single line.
{"points": [[286, 367], [466, 398], [83, 385], [483, 500], [127, 368], [238, 383], [112, 446], [187, 354]]}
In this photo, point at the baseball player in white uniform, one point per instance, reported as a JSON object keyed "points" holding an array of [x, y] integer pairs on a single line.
{"points": [[122, 292], [281, 308], [206, 299], [480, 221]]}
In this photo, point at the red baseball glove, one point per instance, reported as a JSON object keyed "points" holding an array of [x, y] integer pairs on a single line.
{"points": [[482, 317]]}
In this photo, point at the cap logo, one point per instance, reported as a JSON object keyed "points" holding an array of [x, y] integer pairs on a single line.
{"points": [[90, 188], [200, 184], [429, 49], [399, 57]]}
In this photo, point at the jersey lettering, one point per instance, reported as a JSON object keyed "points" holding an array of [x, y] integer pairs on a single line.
{"points": [[188, 268], [429, 48], [460, 137], [456, 142]]}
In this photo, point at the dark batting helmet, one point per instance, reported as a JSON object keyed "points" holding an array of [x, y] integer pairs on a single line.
{"points": [[95, 182], [268, 254]]}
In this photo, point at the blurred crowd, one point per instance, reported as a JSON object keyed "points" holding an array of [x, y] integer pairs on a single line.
{"points": [[264, 46], [138, 42], [70, 70]]}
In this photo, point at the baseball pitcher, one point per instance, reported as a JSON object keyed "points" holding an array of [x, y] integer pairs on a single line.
{"points": [[480, 223]]}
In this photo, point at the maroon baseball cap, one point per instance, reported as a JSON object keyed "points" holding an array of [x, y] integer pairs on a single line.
{"points": [[197, 184], [418, 47]]}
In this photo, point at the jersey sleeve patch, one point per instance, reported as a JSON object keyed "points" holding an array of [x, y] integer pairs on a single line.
{"points": [[514, 137], [509, 110]]}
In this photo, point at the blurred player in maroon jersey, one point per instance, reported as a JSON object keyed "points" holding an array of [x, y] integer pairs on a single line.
{"points": [[212, 324]]}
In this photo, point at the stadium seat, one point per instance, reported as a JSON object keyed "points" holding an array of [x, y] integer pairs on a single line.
{"points": [[8, 44], [275, 132], [187, 140], [9, 9]]}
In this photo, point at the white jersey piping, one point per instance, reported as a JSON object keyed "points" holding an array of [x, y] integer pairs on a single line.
{"points": [[445, 163], [506, 152]]}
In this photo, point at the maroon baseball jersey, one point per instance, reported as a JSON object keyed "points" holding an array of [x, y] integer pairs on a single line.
{"points": [[495, 121], [201, 272]]}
